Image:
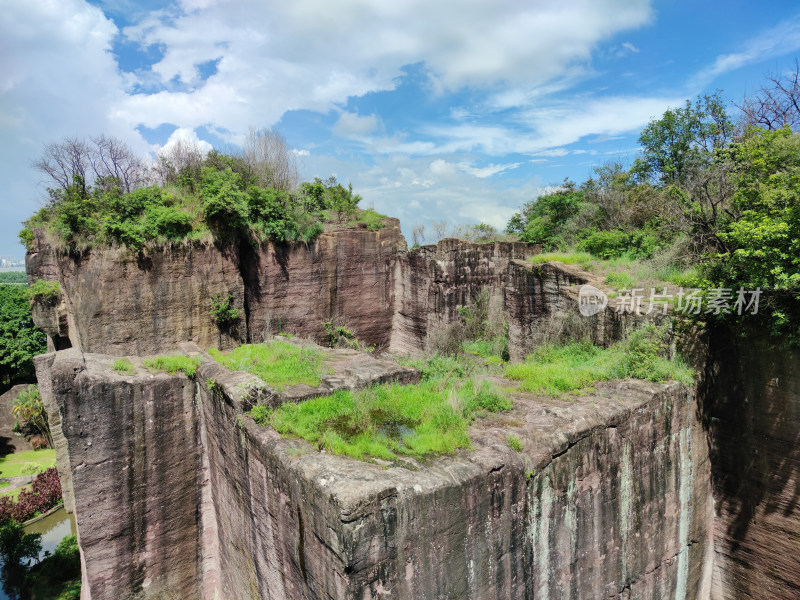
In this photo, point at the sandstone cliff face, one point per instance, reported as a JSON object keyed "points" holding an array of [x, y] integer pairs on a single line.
{"points": [[118, 302], [750, 394], [177, 493], [123, 303], [432, 282]]}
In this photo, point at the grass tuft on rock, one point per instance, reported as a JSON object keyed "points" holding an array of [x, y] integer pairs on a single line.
{"points": [[554, 370], [124, 366], [277, 363], [174, 363], [388, 420]]}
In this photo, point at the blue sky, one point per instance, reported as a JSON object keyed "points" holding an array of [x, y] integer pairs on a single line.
{"points": [[455, 110]]}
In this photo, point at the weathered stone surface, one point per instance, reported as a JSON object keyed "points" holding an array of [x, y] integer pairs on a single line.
{"points": [[432, 282], [750, 397], [178, 493], [123, 303], [132, 447]]}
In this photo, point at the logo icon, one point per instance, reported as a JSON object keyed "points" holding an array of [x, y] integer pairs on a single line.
{"points": [[591, 300]]}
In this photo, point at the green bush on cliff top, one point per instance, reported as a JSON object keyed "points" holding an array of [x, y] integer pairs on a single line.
{"points": [[220, 199]]}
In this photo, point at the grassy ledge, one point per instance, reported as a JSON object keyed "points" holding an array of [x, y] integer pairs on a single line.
{"points": [[172, 364], [554, 370], [277, 363], [389, 420]]}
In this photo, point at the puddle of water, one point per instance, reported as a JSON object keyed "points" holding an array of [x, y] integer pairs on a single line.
{"points": [[53, 528]]}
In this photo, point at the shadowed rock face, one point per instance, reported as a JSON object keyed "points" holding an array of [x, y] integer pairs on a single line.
{"points": [[751, 410], [178, 493]]}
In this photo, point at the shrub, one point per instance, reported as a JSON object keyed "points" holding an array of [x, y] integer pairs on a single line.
{"points": [[514, 443], [45, 493], [222, 311], [29, 409], [44, 291]]}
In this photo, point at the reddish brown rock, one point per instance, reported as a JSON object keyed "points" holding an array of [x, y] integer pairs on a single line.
{"points": [[177, 493]]}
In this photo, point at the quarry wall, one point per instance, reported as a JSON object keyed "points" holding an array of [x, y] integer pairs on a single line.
{"points": [[178, 494], [612, 496]]}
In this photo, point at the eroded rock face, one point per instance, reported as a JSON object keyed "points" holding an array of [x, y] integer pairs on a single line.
{"points": [[119, 302], [178, 493], [750, 393]]}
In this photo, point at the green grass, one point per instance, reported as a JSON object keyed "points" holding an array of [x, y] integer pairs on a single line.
{"points": [[620, 280], [277, 363], [582, 259], [172, 364], [390, 420], [372, 218], [27, 462], [14, 494], [514, 442], [554, 370], [124, 366]]}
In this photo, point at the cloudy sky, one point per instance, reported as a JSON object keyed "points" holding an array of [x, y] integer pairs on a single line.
{"points": [[446, 109]]}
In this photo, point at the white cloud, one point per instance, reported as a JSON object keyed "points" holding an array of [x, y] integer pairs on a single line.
{"points": [[187, 137], [300, 152], [353, 125], [777, 41], [630, 47]]}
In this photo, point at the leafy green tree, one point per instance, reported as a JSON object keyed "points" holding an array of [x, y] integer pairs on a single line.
{"points": [[20, 340], [683, 139], [29, 409], [543, 220], [763, 242]]}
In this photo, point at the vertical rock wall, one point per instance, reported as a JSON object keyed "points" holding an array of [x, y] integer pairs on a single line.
{"points": [[130, 444], [750, 397]]}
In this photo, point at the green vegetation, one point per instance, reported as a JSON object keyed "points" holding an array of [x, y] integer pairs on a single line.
{"points": [[554, 370], [707, 205], [277, 363], [44, 291], [222, 311], [29, 410], [13, 277], [174, 363], [387, 421], [57, 577], [582, 259], [20, 341], [189, 197], [514, 442], [124, 366], [27, 462], [372, 219]]}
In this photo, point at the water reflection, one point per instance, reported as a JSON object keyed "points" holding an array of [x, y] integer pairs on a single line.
{"points": [[54, 528]]}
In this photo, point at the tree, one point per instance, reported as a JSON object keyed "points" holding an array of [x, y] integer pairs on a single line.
{"points": [[20, 340], [29, 408], [776, 104], [542, 221], [105, 160], [439, 229], [418, 234], [682, 140], [273, 163]]}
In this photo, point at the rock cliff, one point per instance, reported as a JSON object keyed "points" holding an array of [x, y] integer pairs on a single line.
{"points": [[178, 493], [750, 391]]}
